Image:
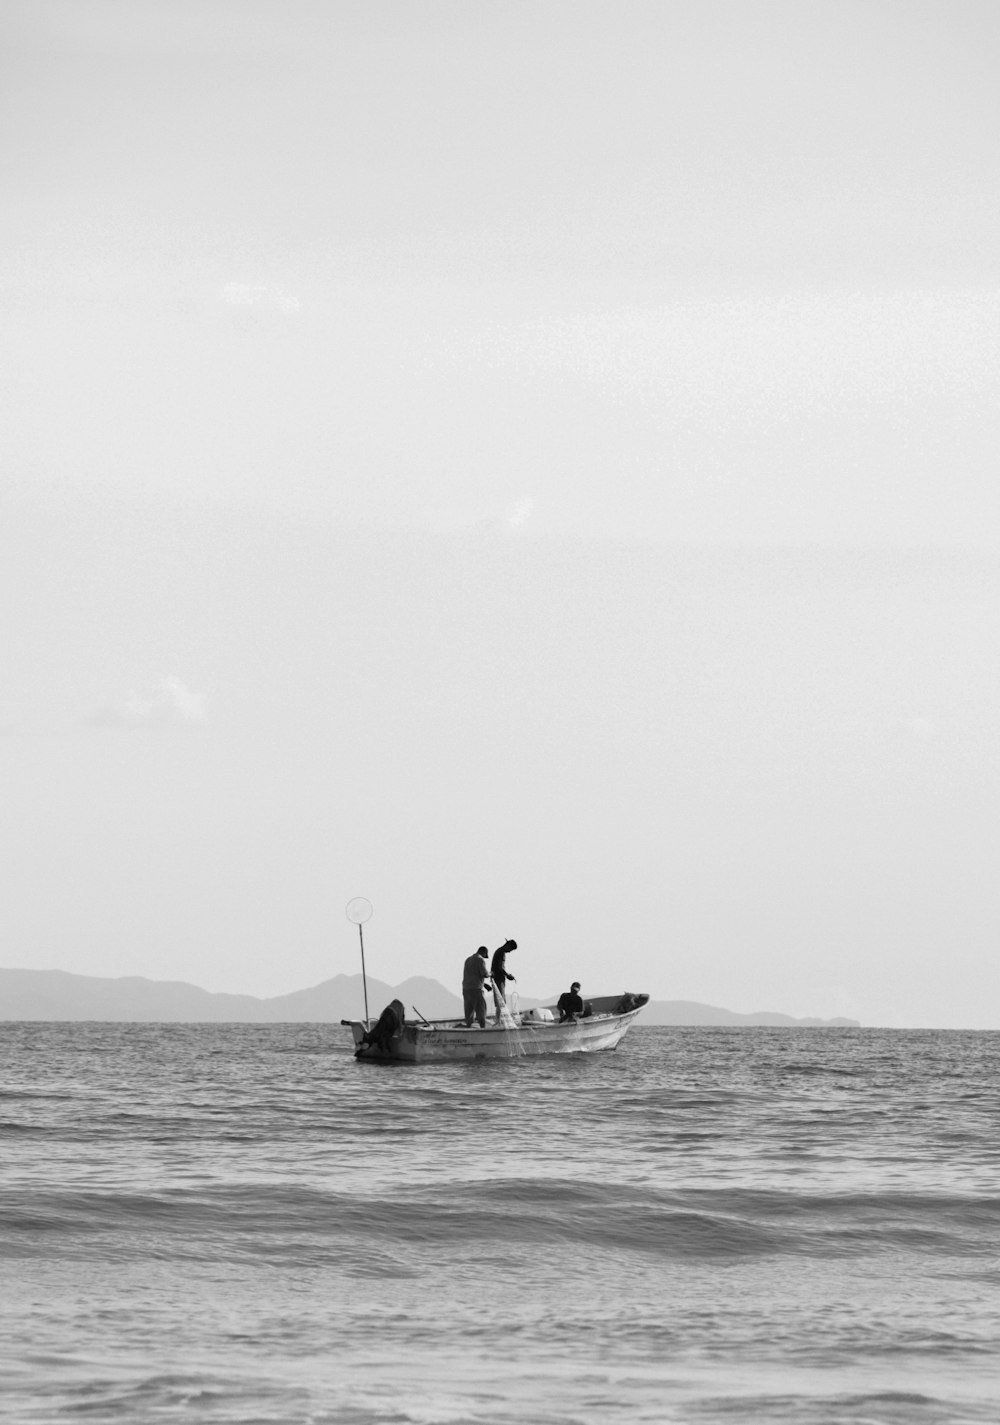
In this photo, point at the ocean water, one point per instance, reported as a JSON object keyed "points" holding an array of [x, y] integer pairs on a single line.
{"points": [[243, 1224]]}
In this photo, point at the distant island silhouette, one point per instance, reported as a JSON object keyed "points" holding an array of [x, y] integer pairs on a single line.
{"points": [[58, 995]]}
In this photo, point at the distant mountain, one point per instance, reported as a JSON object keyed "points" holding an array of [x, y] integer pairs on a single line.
{"points": [[55, 994], [690, 1012], [58, 995]]}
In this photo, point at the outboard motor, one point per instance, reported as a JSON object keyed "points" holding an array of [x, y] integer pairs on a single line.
{"points": [[389, 1024]]}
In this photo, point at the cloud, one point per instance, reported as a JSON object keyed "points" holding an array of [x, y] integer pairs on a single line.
{"points": [[263, 296], [486, 518], [520, 512], [167, 705], [821, 349], [917, 726]]}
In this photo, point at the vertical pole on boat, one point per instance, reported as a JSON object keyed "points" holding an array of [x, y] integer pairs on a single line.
{"points": [[358, 911], [364, 977]]}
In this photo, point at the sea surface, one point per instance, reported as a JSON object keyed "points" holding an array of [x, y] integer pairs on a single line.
{"points": [[243, 1224]]}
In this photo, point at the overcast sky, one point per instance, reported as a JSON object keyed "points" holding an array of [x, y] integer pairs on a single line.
{"points": [[533, 465]]}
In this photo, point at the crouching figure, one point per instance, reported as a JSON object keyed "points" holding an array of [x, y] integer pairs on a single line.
{"points": [[389, 1024]]}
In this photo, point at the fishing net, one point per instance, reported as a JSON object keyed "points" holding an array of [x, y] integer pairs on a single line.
{"points": [[507, 1015]]}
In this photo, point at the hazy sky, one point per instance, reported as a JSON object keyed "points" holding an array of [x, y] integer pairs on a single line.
{"points": [[533, 465]]}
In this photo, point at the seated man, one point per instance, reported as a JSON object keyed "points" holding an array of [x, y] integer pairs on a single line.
{"points": [[569, 1003]]}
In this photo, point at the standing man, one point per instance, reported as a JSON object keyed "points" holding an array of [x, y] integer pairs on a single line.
{"points": [[500, 975], [475, 976]]}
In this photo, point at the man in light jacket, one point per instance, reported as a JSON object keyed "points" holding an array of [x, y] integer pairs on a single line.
{"points": [[475, 978]]}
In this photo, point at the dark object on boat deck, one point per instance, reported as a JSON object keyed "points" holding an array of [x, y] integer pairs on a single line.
{"points": [[390, 1023], [629, 1001]]}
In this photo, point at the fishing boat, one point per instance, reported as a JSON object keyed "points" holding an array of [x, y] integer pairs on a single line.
{"points": [[535, 1032]]}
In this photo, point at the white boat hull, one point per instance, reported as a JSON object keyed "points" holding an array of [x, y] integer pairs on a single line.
{"points": [[446, 1041]]}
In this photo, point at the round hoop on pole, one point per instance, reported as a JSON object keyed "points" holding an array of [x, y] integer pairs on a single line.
{"points": [[359, 910]]}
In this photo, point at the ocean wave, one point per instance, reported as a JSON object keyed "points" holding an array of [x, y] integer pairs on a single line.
{"points": [[527, 1213]]}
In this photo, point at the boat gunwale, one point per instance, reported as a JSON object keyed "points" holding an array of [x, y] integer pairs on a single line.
{"points": [[459, 1026]]}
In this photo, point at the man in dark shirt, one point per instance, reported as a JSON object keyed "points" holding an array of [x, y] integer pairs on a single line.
{"points": [[499, 974], [569, 1003], [475, 976]]}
